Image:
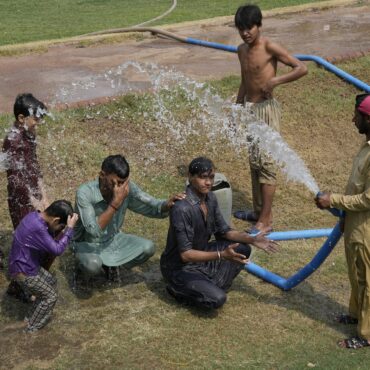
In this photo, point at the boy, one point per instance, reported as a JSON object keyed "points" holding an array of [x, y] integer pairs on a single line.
{"points": [[33, 239], [356, 203], [25, 186], [198, 271], [258, 58], [102, 205]]}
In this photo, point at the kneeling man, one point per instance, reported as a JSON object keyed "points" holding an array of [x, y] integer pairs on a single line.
{"points": [[101, 205], [199, 271]]}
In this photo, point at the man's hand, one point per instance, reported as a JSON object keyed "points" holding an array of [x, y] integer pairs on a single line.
{"points": [[120, 192], [172, 199], [71, 220], [267, 245], [323, 200], [230, 254]]}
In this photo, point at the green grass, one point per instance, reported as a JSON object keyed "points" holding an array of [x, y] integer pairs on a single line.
{"points": [[135, 324], [31, 20]]}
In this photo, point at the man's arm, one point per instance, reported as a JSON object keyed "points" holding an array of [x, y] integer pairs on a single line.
{"points": [[120, 193], [259, 241], [299, 69], [355, 203], [242, 90], [193, 255]]}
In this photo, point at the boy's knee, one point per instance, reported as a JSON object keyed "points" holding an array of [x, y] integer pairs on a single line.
{"points": [[148, 248], [219, 299], [244, 249], [91, 264]]}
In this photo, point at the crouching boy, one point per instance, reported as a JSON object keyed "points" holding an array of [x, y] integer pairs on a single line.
{"points": [[39, 234]]}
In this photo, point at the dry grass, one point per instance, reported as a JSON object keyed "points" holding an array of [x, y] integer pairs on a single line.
{"points": [[135, 324]]}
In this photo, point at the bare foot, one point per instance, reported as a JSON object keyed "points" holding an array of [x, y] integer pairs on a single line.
{"points": [[263, 228]]}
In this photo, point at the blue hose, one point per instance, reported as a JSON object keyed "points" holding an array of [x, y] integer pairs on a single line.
{"points": [[321, 61], [306, 271]]}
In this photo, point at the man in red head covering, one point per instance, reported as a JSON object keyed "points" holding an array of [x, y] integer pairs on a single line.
{"points": [[356, 204]]}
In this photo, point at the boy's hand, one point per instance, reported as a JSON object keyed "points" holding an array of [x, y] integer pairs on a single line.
{"points": [[120, 192], [230, 255], [71, 220], [323, 200], [267, 245], [172, 199]]}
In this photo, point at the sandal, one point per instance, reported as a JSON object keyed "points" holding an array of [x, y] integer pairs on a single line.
{"points": [[247, 215], [354, 343], [346, 319]]}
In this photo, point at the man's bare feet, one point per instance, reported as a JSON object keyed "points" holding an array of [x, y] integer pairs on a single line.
{"points": [[265, 228]]}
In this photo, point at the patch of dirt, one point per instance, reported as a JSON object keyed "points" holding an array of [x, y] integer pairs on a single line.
{"points": [[328, 33]]}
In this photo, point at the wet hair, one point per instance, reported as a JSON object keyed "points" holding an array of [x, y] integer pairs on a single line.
{"points": [[200, 165], [28, 105], [116, 164], [248, 16], [60, 208]]}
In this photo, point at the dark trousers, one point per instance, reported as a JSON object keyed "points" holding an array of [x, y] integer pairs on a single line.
{"points": [[205, 284]]}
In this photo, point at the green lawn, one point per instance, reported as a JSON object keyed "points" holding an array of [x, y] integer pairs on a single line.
{"points": [[135, 324], [33, 20]]}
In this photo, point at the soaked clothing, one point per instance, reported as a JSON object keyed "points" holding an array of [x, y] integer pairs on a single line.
{"points": [[31, 243], [262, 167], [205, 283], [43, 287], [23, 172], [94, 246], [356, 203]]}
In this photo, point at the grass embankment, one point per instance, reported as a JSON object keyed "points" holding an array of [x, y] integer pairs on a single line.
{"points": [[30, 20], [135, 324]]}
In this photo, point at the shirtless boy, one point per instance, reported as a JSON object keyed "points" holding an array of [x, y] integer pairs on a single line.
{"points": [[258, 58]]}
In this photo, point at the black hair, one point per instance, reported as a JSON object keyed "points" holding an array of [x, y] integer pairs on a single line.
{"points": [[200, 165], [60, 208], [116, 164], [27, 104], [248, 16]]}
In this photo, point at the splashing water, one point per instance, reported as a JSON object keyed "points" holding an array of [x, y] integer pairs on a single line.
{"points": [[210, 114], [4, 163]]}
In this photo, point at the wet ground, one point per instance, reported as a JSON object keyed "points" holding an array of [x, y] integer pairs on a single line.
{"points": [[327, 33]]}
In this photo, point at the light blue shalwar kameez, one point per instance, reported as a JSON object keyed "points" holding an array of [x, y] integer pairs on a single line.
{"points": [[94, 246]]}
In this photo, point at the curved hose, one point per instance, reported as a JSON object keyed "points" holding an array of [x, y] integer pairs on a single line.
{"points": [[174, 4]]}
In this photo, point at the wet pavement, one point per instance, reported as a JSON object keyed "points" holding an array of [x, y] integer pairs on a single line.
{"points": [[332, 32]]}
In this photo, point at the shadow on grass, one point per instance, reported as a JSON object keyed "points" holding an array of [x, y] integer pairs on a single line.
{"points": [[302, 299], [155, 283], [84, 288], [306, 301], [240, 200]]}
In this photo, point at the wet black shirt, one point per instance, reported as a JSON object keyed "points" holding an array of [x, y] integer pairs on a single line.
{"points": [[189, 230]]}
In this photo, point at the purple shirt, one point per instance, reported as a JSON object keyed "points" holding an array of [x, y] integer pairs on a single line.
{"points": [[32, 242]]}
